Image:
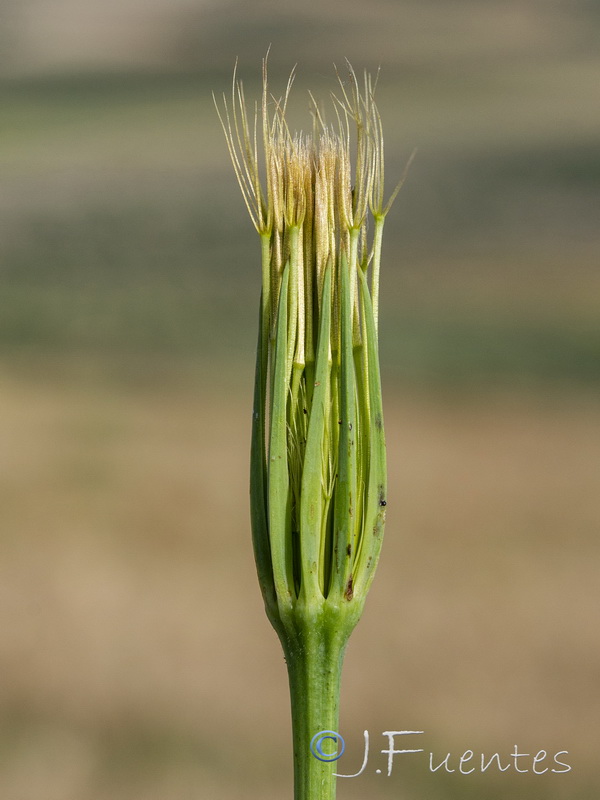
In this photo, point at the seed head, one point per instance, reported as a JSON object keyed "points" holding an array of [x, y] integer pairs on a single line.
{"points": [[318, 477]]}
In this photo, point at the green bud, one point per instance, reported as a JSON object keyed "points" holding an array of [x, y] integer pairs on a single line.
{"points": [[318, 465]]}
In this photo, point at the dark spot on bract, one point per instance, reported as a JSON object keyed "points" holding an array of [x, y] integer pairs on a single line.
{"points": [[349, 593], [349, 550], [383, 502]]}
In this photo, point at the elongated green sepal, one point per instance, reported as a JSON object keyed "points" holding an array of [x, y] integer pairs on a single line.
{"points": [[258, 470], [376, 499], [278, 470], [314, 476], [346, 489]]}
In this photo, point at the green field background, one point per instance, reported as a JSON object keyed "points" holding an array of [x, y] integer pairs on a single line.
{"points": [[136, 662]]}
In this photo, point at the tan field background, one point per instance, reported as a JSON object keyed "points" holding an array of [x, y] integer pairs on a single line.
{"points": [[136, 662]]}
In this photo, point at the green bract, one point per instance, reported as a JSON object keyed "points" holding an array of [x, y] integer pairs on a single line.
{"points": [[318, 467]]}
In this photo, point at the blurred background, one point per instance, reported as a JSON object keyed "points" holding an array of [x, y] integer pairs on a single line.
{"points": [[136, 662]]}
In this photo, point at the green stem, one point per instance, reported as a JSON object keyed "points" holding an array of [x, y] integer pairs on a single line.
{"points": [[314, 654]]}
